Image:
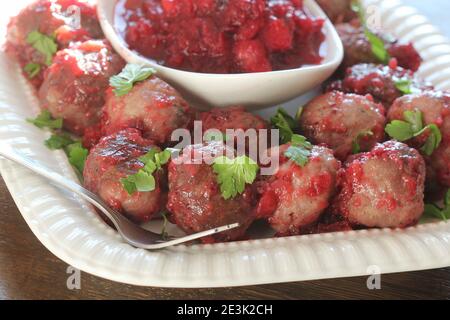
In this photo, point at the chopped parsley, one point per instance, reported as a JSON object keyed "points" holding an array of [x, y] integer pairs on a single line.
{"points": [[59, 141], [234, 174], [143, 180], [131, 74], [286, 124], [413, 127], [300, 150], [45, 120], [434, 211], [32, 69], [44, 44], [77, 155], [377, 44], [404, 86], [356, 147]]}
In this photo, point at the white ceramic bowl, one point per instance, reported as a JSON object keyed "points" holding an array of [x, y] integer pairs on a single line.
{"points": [[254, 90]]}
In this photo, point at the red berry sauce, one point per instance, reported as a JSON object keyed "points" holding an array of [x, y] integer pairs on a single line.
{"points": [[222, 36]]}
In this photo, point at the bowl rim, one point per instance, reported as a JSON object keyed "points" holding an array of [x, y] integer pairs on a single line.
{"points": [[104, 8]]}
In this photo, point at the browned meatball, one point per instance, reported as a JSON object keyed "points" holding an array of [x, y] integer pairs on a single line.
{"points": [[341, 120], [295, 197], [195, 199], [152, 106], [117, 157], [338, 10], [234, 118], [358, 49], [383, 188], [74, 86], [435, 108], [378, 81], [49, 18]]}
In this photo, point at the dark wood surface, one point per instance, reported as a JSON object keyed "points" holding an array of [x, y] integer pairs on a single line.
{"points": [[29, 271]]}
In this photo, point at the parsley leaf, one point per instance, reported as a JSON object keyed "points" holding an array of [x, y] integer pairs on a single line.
{"points": [[356, 148], [234, 174], [377, 44], [46, 45], [404, 86], [164, 233], [300, 150], [412, 128], [434, 211], [131, 74], [143, 180], [45, 120], [32, 69], [77, 155], [59, 141], [286, 124]]}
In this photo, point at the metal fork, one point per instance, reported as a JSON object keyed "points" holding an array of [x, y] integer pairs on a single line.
{"points": [[130, 232]]}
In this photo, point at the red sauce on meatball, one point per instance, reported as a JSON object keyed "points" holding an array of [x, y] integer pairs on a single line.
{"points": [[213, 36]]}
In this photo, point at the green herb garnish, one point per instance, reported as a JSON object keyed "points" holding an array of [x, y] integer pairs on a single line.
{"points": [[131, 74], [286, 124], [413, 127], [59, 141], [32, 69], [356, 147], [404, 86], [45, 120], [377, 44], [434, 211], [234, 174], [77, 155], [143, 180], [44, 44], [300, 150], [164, 233]]}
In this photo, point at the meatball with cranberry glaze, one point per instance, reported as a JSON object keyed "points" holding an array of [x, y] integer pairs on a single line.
{"points": [[338, 11], [294, 198], [383, 188], [435, 108], [117, 157], [358, 49], [379, 81], [195, 199], [232, 118], [74, 86], [152, 106], [341, 121], [49, 18]]}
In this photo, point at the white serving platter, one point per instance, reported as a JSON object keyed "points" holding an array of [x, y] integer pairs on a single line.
{"points": [[71, 230]]}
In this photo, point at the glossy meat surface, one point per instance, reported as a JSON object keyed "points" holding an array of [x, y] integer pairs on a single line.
{"points": [[152, 106], [435, 108], [117, 157], [383, 188], [49, 17], [339, 120], [358, 49], [295, 197], [74, 86], [195, 200], [378, 81]]}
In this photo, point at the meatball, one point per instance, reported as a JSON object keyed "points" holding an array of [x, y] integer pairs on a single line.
{"points": [[152, 106], [51, 18], [195, 200], [378, 81], [117, 157], [75, 84], [234, 118], [295, 197], [358, 49], [383, 188], [340, 120], [338, 11], [435, 108]]}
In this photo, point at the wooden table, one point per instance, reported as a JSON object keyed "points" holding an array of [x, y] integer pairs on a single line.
{"points": [[29, 271]]}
